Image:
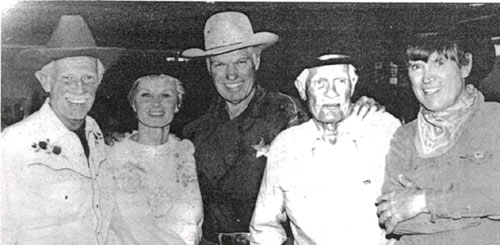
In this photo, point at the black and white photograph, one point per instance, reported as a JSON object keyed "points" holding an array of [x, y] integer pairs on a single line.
{"points": [[238, 123]]}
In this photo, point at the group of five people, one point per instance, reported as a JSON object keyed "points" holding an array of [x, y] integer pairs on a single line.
{"points": [[255, 166]]}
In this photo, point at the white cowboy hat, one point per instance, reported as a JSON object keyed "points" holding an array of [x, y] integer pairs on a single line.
{"points": [[72, 37], [228, 31]]}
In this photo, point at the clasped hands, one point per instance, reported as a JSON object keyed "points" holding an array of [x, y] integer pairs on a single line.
{"points": [[400, 205]]}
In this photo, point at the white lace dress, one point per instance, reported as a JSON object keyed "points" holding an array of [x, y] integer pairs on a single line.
{"points": [[158, 196]]}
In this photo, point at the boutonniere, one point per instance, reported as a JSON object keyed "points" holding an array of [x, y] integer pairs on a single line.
{"points": [[47, 147]]}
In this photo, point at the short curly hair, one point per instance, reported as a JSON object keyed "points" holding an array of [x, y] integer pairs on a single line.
{"points": [[162, 77]]}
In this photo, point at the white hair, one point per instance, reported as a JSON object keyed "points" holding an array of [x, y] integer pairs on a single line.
{"points": [[305, 76]]}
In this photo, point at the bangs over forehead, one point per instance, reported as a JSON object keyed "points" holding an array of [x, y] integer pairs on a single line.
{"points": [[446, 48]]}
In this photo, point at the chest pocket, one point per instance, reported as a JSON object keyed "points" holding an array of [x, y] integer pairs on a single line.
{"points": [[56, 192]]}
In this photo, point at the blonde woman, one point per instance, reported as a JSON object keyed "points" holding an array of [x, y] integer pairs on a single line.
{"points": [[158, 196]]}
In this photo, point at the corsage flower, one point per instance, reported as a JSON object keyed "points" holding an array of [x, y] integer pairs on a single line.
{"points": [[47, 147], [160, 202], [130, 178]]}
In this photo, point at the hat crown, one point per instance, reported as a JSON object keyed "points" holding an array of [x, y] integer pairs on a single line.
{"points": [[227, 28], [71, 32]]}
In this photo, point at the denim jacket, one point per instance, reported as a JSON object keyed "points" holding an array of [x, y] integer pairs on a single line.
{"points": [[463, 184]]}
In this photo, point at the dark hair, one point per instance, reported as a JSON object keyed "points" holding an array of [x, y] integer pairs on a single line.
{"points": [[455, 46]]}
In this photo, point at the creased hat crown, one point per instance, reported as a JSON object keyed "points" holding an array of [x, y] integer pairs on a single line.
{"points": [[72, 37], [228, 31], [72, 31]]}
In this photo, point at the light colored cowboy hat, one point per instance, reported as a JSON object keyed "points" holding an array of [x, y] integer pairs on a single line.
{"points": [[72, 37], [228, 31]]}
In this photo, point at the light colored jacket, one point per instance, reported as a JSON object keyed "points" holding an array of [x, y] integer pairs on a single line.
{"points": [[51, 193]]}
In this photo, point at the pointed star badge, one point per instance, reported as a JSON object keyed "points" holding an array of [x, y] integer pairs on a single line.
{"points": [[261, 148]]}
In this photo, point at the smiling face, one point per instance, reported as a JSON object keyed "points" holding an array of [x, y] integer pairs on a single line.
{"points": [[234, 73], [155, 102], [329, 93], [437, 82], [72, 83]]}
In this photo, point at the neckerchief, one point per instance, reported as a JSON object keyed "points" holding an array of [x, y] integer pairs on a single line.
{"points": [[437, 132]]}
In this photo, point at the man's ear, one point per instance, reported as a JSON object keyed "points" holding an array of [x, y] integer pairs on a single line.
{"points": [[301, 88], [354, 81], [208, 66], [45, 80], [256, 60], [301, 83], [466, 69]]}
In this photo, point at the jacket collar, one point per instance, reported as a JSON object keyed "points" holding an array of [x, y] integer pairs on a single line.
{"points": [[220, 112], [56, 128]]}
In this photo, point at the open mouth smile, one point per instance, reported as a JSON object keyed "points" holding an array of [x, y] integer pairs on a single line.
{"points": [[156, 113], [76, 101], [233, 85], [429, 91]]}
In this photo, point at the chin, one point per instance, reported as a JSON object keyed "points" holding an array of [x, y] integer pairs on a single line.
{"points": [[156, 124], [434, 107], [327, 120], [79, 116]]}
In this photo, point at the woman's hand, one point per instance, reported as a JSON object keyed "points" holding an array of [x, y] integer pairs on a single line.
{"points": [[400, 205]]}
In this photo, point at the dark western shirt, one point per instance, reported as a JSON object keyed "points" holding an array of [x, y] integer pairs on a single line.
{"points": [[229, 160]]}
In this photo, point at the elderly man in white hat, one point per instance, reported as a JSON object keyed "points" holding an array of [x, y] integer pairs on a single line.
{"points": [[231, 138], [325, 175], [52, 192]]}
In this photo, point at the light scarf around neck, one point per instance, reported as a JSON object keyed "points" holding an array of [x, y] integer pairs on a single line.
{"points": [[437, 132]]}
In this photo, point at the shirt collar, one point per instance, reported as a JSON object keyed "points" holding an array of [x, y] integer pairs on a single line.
{"points": [[54, 125], [252, 109]]}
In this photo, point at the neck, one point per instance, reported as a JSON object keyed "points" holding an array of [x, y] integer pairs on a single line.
{"points": [[151, 136], [71, 124], [235, 109], [326, 129]]}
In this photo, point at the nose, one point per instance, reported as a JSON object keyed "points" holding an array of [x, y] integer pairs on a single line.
{"points": [[428, 76], [156, 101], [79, 86], [231, 72], [331, 91]]}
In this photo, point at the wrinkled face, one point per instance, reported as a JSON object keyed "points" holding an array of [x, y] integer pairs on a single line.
{"points": [[155, 102], [437, 83], [73, 87], [234, 73], [329, 93]]}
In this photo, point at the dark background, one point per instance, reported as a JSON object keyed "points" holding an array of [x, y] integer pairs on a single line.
{"points": [[371, 32]]}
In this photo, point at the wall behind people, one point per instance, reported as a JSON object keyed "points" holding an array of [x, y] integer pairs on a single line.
{"points": [[374, 32], [490, 86]]}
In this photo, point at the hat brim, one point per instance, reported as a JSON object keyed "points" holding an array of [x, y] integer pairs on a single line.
{"points": [[261, 39], [37, 58]]}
